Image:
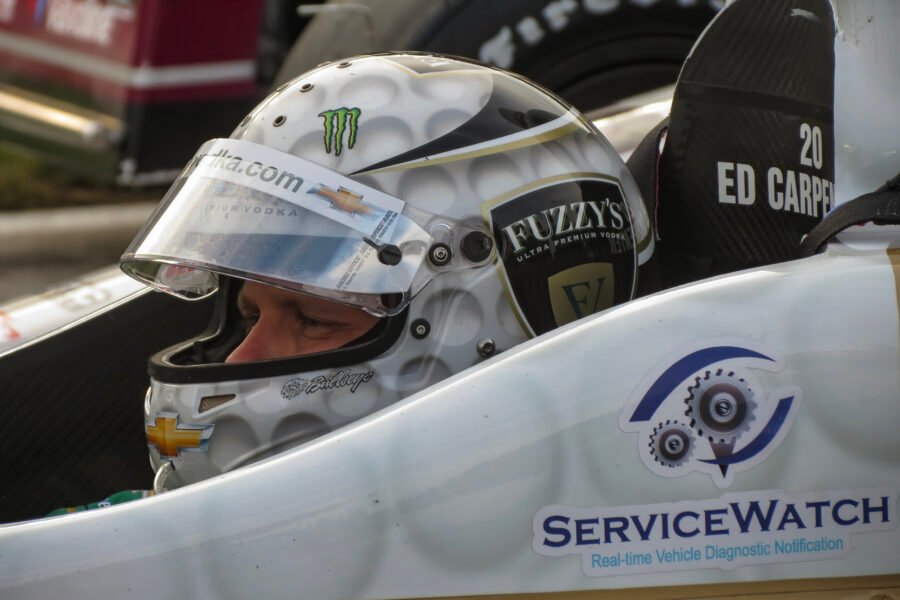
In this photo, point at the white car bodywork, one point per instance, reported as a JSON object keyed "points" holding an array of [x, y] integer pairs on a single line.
{"points": [[439, 494]]}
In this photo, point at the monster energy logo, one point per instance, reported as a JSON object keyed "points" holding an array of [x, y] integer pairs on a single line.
{"points": [[337, 122]]}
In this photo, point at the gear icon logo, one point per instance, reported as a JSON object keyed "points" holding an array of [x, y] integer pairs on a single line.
{"points": [[671, 443], [720, 406], [703, 410]]}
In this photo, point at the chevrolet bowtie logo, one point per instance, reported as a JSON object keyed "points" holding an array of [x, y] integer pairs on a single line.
{"points": [[343, 200], [172, 438]]}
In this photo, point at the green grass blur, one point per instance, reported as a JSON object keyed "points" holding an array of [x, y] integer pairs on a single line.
{"points": [[27, 183]]}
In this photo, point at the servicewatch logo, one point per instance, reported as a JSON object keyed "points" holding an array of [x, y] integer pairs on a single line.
{"points": [[703, 410]]}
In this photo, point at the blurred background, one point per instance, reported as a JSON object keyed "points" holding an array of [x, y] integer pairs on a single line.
{"points": [[55, 227], [102, 102]]}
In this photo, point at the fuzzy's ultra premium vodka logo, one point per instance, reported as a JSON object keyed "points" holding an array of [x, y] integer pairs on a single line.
{"points": [[704, 410], [338, 122], [569, 240], [550, 227], [581, 291]]}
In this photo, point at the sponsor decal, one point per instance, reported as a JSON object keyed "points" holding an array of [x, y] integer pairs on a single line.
{"points": [[339, 121], [704, 411], [7, 10], [569, 240], [343, 200], [735, 530], [246, 170], [580, 291], [8, 333], [803, 188], [428, 66], [86, 21], [339, 379], [38, 10], [553, 17], [172, 438], [83, 296], [530, 236]]}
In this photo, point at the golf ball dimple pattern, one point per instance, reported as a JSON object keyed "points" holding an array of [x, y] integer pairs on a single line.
{"points": [[394, 136], [493, 175], [348, 401], [369, 92], [423, 369], [241, 438], [445, 121], [399, 110], [446, 88], [311, 146], [432, 189], [506, 317], [550, 159], [298, 428], [461, 317], [595, 155]]}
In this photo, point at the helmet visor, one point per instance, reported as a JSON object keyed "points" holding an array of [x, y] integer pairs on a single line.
{"points": [[246, 210]]}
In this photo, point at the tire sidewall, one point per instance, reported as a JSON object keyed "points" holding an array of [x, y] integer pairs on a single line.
{"points": [[591, 52]]}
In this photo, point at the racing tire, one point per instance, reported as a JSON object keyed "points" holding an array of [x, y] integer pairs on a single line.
{"points": [[590, 52]]}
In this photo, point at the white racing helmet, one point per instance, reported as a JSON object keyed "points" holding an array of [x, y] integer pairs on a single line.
{"points": [[467, 207]]}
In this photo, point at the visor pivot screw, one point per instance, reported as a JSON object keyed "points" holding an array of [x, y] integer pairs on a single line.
{"points": [[476, 246], [306, 87], [279, 121], [344, 64], [420, 328], [390, 255], [439, 254], [486, 347]]}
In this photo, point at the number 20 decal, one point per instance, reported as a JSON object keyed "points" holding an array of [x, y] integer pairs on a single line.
{"points": [[812, 144]]}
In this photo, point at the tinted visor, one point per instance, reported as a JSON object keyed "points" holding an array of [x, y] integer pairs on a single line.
{"points": [[249, 211]]}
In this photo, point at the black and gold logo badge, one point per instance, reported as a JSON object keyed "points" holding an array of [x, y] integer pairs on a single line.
{"points": [[567, 250]]}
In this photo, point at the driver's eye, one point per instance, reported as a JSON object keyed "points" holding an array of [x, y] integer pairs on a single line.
{"points": [[308, 321], [247, 323]]}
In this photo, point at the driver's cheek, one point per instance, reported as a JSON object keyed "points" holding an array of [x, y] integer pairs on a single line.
{"points": [[270, 339]]}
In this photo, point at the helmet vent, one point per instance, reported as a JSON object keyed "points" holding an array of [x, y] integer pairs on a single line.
{"points": [[211, 402]]}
